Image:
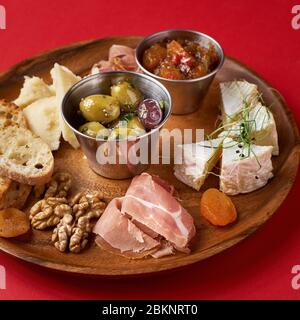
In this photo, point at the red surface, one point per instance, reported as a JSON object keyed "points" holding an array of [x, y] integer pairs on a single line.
{"points": [[259, 33]]}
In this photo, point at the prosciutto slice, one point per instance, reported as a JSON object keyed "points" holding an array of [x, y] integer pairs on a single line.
{"points": [[148, 202], [119, 58], [148, 220], [118, 234]]}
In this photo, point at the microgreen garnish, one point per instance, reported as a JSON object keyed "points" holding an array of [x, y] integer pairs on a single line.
{"points": [[241, 127], [127, 116]]}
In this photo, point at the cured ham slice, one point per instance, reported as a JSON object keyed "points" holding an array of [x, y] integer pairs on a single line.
{"points": [[118, 234], [147, 202], [119, 58], [148, 220]]}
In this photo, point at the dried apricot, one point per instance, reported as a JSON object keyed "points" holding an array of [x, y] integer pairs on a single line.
{"points": [[13, 223], [217, 208]]}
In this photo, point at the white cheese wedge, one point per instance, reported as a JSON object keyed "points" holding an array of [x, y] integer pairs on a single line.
{"points": [[244, 174], [261, 125], [235, 96], [33, 89], [43, 119], [63, 80], [198, 160]]}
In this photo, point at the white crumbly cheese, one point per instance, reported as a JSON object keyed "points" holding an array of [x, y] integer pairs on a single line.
{"points": [[235, 95], [262, 127], [43, 119], [198, 159], [244, 174], [33, 89], [63, 80]]}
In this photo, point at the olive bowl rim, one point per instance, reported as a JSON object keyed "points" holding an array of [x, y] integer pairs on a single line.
{"points": [[168, 31], [111, 73]]}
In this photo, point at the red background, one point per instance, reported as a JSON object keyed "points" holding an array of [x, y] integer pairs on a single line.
{"points": [[258, 33]]}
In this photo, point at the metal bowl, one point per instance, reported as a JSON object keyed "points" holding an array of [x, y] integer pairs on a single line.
{"points": [[97, 150], [186, 94]]}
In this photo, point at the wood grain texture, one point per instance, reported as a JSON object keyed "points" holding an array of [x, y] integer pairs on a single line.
{"points": [[253, 209]]}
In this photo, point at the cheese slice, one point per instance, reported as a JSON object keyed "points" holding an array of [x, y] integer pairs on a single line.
{"points": [[236, 95], [244, 170], [33, 89], [63, 80], [198, 160], [261, 125], [43, 119]]}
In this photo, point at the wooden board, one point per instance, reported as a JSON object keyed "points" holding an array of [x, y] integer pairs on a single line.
{"points": [[253, 208]]}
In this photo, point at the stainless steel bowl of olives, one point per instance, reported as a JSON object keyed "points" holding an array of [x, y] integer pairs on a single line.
{"points": [[114, 113]]}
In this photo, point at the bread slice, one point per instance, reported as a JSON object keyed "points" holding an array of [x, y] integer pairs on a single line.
{"points": [[13, 194], [10, 114], [24, 157]]}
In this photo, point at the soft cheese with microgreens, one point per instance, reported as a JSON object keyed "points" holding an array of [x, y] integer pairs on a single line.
{"points": [[245, 167], [245, 116], [198, 159], [235, 95]]}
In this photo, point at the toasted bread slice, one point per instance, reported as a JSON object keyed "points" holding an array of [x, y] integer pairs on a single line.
{"points": [[10, 114], [13, 194], [24, 157]]}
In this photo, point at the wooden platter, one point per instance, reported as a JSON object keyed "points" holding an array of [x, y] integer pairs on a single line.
{"points": [[254, 208]]}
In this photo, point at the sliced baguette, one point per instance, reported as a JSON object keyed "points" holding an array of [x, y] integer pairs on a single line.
{"points": [[10, 114], [24, 157], [13, 194]]}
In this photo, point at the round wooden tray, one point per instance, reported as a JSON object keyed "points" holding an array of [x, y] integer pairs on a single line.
{"points": [[253, 208]]}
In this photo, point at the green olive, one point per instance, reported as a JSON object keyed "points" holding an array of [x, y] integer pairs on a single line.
{"points": [[120, 133], [135, 123], [94, 129], [100, 108], [128, 96]]}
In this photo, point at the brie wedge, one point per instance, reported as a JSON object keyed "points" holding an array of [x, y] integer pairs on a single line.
{"points": [[235, 96], [244, 169], [42, 117], [33, 89], [63, 79], [198, 159], [261, 125]]}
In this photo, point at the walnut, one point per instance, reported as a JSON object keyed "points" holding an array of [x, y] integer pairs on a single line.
{"points": [[86, 206], [71, 218], [48, 212], [59, 186], [62, 232], [83, 228], [87, 202]]}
